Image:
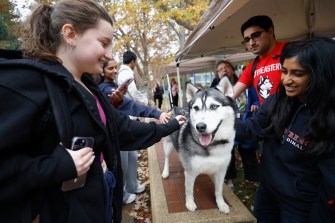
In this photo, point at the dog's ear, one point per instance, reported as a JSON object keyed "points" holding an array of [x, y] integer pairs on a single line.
{"points": [[225, 87], [190, 91]]}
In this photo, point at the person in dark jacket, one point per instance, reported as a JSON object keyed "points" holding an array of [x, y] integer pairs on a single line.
{"points": [[297, 180], [158, 95], [60, 43], [174, 91]]}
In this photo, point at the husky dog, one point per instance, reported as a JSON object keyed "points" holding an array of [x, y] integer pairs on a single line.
{"points": [[205, 141]]}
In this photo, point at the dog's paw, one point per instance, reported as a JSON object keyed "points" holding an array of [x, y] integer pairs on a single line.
{"points": [[191, 206], [165, 174], [223, 207]]}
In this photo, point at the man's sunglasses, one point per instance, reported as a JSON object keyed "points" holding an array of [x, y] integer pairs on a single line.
{"points": [[254, 36]]}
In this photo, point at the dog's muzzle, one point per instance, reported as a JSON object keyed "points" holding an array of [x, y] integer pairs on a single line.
{"points": [[206, 139]]}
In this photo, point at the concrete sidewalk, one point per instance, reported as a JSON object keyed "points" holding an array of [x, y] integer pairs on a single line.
{"points": [[168, 195]]}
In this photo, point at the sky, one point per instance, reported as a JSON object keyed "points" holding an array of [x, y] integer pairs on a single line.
{"points": [[22, 6]]}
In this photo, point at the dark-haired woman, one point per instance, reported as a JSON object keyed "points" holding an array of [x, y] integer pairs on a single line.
{"points": [[297, 182]]}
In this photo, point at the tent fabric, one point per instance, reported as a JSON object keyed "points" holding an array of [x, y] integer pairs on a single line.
{"points": [[218, 31], [206, 63], [191, 65]]}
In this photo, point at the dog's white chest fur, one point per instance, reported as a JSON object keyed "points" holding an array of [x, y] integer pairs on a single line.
{"points": [[216, 162]]}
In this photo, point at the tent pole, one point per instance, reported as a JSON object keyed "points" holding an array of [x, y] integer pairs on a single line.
{"points": [[162, 83], [179, 88]]}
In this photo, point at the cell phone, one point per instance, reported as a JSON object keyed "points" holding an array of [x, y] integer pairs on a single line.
{"points": [[125, 84], [79, 182]]}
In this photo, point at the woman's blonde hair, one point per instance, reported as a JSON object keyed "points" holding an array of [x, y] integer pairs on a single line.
{"points": [[41, 32]]}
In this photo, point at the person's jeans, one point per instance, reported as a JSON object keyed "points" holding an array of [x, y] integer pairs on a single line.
{"points": [[129, 168]]}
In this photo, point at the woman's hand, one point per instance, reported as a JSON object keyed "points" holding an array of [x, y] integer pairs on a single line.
{"points": [[116, 96], [82, 159], [124, 91], [104, 166], [164, 117], [253, 108], [181, 119]]}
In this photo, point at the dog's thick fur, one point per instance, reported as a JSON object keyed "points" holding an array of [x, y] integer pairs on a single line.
{"points": [[205, 141]]}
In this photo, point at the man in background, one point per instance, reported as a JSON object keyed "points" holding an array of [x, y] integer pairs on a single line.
{"points": [[127, 71], [264, 72], [129, 158]]}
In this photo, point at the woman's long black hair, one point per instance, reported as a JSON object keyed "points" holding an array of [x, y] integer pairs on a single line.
{"points": [[316, 56]]}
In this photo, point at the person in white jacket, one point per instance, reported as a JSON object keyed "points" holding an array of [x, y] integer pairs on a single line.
{"points": [[129, 158], [126, 72]]}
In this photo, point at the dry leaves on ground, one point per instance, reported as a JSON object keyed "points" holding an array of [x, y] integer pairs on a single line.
{"points": [[141, 211]]}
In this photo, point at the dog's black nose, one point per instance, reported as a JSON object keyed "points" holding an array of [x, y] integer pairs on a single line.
{"points": [[201, 127]]}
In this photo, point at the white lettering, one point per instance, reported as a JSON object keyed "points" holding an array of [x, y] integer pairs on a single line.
{"points": [[273, 66], [267, 69], [278, 66], [293, 143]]}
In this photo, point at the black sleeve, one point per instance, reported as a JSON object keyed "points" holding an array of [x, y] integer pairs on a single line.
{"points": [[323, 208], [252, 129], [22, 168], [135, 135], [21, 174]]}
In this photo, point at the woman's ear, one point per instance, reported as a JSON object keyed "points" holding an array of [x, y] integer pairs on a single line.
{"points": [[69, 34]]}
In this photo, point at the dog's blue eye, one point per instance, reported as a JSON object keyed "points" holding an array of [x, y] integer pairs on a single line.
{"points": [[213, 107]]}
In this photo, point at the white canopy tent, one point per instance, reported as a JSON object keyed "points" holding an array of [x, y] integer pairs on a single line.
{"points": [[218, 31], [191, 65]]}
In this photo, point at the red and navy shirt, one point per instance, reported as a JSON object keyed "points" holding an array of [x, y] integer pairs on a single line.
{"points": [[267, 73]]}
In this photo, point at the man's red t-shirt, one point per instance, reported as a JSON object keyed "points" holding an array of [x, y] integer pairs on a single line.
{"points": [[267, 73]]}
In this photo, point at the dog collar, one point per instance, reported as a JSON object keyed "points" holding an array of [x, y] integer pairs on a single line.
{"points": [[223, 141]]}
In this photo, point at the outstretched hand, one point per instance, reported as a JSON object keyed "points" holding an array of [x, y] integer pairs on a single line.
{"points": [[124, 90], [164, 117], [82, 159], [181, 119]]}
